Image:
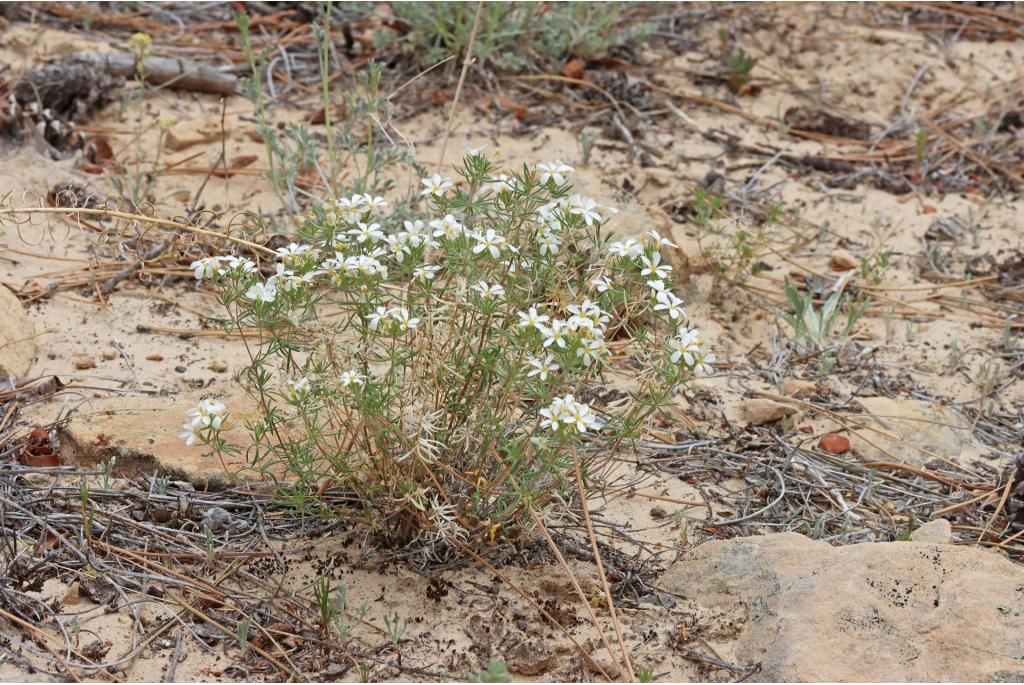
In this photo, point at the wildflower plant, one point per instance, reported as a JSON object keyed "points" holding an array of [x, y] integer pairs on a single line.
{"points": [[437, 370]]}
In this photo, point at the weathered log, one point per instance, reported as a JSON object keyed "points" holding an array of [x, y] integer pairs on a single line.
{"points": [[52, 81]]}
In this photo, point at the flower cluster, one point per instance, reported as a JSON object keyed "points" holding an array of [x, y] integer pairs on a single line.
{"points": [[569, 413], [434, 361], [207, 417]]}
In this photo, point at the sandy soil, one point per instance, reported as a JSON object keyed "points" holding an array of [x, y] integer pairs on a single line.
{"points": [[151, 353]]}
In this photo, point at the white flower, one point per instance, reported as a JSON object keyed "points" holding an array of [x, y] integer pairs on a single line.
{"points": [[592, 350], [555, 170], [601, 284], [261, 292], [532, 319], [207, 267], [435, 185], [351, 209], [487, 291], [240, 266], [542, 368], [192, 433], [670, 304], [552, 414], [405, 322], [298, 389], [658, 240], [629, 248], [365, 233], [377, 316], [654, 267], [283, 275], [586, 208], [293, 250], [426, 272], [685, 346], [590, 310], [656, 286], [448, 227], [501, 182], [492, 241], [568, 412], [350, 377], [373, 203], [555, 335], [703, 366], [209, 413], [549, 244], [399, 246], [416, 232], [580, 416]]}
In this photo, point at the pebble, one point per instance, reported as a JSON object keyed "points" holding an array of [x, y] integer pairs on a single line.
{"points": [[82, 363], [843, 260], [833, 443], [218, 366], [761, 411], [796, 387]]}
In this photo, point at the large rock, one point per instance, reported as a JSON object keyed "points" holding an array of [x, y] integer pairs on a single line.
{"points": [[17, 338], [144, 434], [912, 431], [898, 611]]}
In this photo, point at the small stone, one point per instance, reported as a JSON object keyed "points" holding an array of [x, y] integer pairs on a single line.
{"points": [[939, 532], [181, 369], [658, 513], [218, 366], [760, 411], [796, 387], [833, 443], [109, 355], [843, 260], [155, 357], [83, 363], [217, 519]]}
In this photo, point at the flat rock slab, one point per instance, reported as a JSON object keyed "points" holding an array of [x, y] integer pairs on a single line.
{"points": [[912, 431], [144, 435], [897, 611], [17, 338]]}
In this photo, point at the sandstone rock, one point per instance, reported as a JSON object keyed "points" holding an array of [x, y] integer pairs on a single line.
{"points": [[939, 532], [841, 259], [759, 411], [218, 366], [795, 387], [17, 338], [899, 611], [83, 363], [144, 435], [918, 430]]}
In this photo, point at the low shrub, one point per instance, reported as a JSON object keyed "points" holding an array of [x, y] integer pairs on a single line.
{"points": [[441, 373]]}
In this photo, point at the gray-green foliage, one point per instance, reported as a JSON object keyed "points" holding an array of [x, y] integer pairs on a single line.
{"points": [[817, 326], [355, 153], [514, 36], [497, 672]]}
